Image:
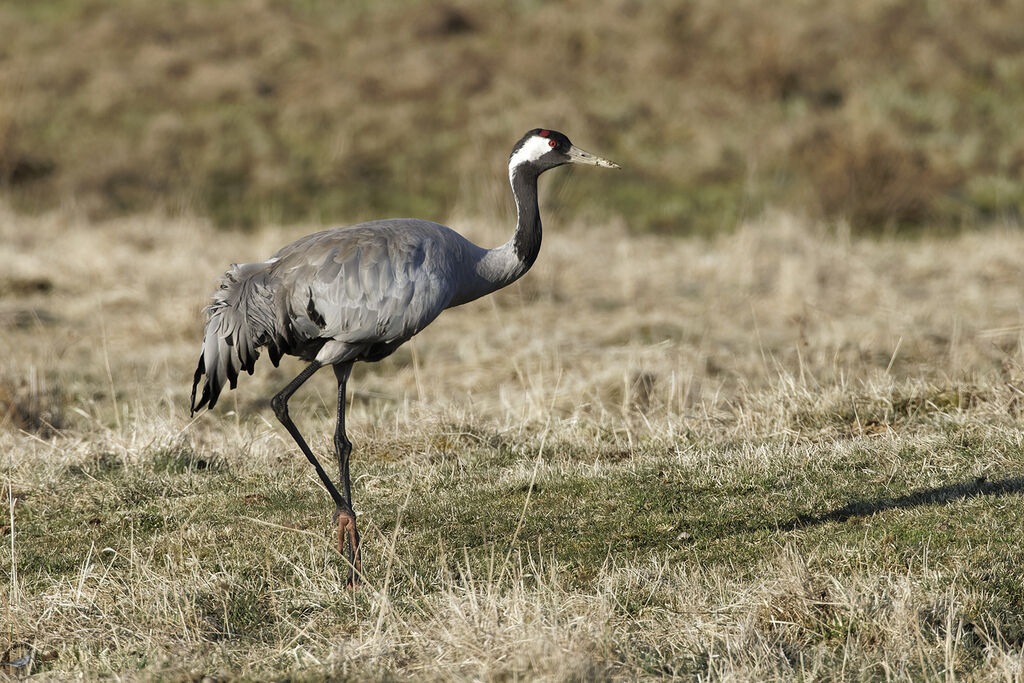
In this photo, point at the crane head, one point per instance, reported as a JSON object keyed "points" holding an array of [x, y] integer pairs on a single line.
{"points": [[542, 148]]}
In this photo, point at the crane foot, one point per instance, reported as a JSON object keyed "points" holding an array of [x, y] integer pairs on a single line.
{"points": [[348, 532]]}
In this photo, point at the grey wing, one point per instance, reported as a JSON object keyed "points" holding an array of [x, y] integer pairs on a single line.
{"points": [[369, 285]]}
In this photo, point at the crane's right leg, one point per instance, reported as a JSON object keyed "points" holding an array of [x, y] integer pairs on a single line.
{"points": [[346, 517], [280, 405]]}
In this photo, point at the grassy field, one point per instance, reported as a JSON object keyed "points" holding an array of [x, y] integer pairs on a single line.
{"points": [[893, 114], [717, 432], [785, 452]]}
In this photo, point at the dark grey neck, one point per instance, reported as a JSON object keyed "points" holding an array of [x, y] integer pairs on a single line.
{"points": [[501, 266], [526, 240]]}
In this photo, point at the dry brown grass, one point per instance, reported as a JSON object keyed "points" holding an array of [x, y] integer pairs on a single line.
{"points": [[650, 457]]}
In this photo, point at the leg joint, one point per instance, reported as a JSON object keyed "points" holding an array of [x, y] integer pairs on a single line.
{"points": [[342, 444], [280, 405]]}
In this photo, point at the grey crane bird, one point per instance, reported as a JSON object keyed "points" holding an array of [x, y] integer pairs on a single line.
{"points": [[358, 293]]}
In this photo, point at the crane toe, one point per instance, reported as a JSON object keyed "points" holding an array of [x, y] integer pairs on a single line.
{"points": [[348, 534]]}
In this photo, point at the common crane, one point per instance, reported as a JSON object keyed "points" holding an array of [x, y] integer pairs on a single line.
{"points": [[358, 293]]}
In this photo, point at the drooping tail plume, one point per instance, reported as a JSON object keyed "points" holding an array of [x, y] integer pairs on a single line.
{"points": [[239, 321]]}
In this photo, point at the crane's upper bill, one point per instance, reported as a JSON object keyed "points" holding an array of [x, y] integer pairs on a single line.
{"points": [[579, 156]]}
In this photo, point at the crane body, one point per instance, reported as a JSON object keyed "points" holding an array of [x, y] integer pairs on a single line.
{"points": [[357, 293]]}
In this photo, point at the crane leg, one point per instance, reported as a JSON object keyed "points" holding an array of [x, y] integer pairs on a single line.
{"points": [[343, 510], [346, 516]]}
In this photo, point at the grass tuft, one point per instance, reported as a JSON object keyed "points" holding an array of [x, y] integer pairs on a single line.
{"points": [[30, 402]]}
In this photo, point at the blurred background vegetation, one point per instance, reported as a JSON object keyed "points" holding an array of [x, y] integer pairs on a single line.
{"points": [[889, 114]]}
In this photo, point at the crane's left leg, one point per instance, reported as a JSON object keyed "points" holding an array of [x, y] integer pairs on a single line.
{"points": [[343, 510], [346, 516], [280, 405]]}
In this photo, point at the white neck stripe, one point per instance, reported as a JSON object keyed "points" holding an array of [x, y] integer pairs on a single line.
{"points": [[532, 149]]}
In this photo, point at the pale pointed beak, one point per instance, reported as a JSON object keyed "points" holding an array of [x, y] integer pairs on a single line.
{"points": [[579, 156]]}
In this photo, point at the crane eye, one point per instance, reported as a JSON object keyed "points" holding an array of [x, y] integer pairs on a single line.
{"points": [[552, 143]]}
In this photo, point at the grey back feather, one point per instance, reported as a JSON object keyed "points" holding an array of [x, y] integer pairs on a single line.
{"points": [[338, 295]]}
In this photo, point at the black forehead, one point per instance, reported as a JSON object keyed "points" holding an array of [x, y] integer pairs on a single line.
{"points": [[560, 138]]}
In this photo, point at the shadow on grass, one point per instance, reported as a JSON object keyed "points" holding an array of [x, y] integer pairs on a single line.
{"points": [[933, 496]]}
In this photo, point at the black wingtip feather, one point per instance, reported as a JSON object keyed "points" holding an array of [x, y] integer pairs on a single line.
{"points": [[193, 406]]}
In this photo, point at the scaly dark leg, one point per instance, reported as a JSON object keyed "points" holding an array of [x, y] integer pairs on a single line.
{"points": [[343, 510], [346, 516]]}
